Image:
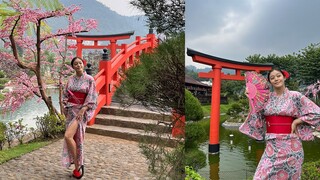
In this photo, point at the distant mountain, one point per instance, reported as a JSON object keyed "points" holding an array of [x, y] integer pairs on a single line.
{"points": [[195, 69], [109, 22]]}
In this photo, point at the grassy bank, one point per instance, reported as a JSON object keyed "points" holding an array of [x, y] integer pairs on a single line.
{"points": [[17, 151], [205, 123]]}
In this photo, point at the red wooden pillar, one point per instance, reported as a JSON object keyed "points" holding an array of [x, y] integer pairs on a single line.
{"points": [[214, 145], [113, 48], [79, 48]]}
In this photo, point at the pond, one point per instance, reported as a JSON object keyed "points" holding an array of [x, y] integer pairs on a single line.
{"points": [[31, 109], [237, 161]]}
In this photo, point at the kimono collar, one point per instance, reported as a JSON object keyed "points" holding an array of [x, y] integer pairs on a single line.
{"points": [[77, 77], [284, 94]]}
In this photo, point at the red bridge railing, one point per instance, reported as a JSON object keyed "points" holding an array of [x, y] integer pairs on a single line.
{"points": [[108, 76]]}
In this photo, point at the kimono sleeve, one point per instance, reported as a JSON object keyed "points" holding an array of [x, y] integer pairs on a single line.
{"points": [[91, 99], [309, 113], [65, 94], [253, 126]]}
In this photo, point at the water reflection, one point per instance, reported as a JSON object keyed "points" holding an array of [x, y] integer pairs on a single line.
{"points": [[31, 109], [240, 155]]}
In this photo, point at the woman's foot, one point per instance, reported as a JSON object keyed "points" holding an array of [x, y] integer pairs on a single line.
{"points": [[77, 174]]}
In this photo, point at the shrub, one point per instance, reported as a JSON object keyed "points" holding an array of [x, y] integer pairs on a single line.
{"points": [[193, 108], [244, 102], [20, 130], [195, 158], [10, 133], [4, 80], [195, 134], [15, 130], [311, 171], [1, 96], [235, 109], [192, 174], [50, 126], [2, 75], [3, 129]]}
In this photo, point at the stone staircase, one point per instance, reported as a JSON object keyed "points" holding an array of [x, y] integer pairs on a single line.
{"points": [[132, 124]]}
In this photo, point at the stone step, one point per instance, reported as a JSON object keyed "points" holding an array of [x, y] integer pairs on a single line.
{"points": [[131, 122], [136, 112], [130, 134]]}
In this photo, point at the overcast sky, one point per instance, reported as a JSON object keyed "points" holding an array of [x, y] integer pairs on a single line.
{"points": [[122, 7], [235, 29]]}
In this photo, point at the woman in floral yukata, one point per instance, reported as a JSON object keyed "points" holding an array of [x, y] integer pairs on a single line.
{"points": [[79, 98], [287, 118]]}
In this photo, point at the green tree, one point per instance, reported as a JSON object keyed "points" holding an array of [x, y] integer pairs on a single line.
{"points": [[309, 64], [158, 81], [289, 63], [167, 16], [192, 107], [232, 89]]}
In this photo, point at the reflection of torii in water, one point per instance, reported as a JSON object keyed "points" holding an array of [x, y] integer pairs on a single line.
{"points": [[216, 75]]}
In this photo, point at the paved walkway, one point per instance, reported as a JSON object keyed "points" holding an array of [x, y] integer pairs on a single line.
{"points": [[105, 158]]}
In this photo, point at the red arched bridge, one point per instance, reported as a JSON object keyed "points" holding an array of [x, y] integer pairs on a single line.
{"points": [[121, 58]]}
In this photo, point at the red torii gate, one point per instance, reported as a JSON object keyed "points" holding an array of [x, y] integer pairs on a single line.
{"points": [[216, 75], [113, 38]]}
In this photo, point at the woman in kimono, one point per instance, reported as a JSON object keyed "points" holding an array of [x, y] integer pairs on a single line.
{"points": [[287, 118], [79, 98]]}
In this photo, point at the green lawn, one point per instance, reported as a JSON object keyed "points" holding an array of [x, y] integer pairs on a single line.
{"points": [[20, 150], [205, 123], [223, 109]]}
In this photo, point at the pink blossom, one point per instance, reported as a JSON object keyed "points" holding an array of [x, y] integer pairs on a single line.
{"points": [[25, 85]]}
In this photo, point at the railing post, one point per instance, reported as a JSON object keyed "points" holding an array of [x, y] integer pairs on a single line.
{"points": [[138, 42], [151, 38], [105, 64], [89, 69], [124, 47], [108, 82]]}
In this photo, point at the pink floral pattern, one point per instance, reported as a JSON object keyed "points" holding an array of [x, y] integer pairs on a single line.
{"points": [[283, 156], [85, 84]]}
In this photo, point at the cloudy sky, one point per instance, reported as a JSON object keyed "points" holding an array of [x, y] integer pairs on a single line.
{"points": [[235, 29], [122, 7]]}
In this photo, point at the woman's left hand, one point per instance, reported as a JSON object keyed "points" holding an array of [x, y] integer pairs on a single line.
{"points": [[81, 114], [294, 125]]}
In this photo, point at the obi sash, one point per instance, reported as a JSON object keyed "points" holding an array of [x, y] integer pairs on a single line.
{"points": [[76, 97], [279, 124]]}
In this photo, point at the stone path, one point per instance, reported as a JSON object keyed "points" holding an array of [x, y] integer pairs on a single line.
{"points": [[105, 158]]}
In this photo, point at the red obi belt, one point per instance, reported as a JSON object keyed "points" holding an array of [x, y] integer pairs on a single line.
{"points": [[279, 124], [76, 97]]}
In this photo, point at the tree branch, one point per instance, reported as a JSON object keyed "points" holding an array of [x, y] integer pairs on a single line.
{"points": [[62, 34]]}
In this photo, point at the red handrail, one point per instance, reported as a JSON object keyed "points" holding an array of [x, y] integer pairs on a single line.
{"points": [[108, 76]]}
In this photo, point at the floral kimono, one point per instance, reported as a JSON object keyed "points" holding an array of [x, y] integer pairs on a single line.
{"points": [[283, 155], [84, 84]]}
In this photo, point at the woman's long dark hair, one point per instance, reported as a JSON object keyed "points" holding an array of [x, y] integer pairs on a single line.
{"points": [[73, 59], [276, 69]]}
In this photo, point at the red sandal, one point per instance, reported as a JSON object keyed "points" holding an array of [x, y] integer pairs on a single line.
{"points": [[77, 174]]}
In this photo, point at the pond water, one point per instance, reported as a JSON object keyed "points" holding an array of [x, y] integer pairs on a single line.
{"points": [[31, 109], [236, 161]]}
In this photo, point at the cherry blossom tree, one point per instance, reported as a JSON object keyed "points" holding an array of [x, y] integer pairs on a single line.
{"points": [[26, 39]]}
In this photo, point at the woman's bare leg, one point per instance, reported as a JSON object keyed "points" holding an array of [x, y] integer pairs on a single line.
{"points": [[71, 144]]}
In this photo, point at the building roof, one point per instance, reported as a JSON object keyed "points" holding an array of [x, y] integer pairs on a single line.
{"points": [[190, 80]]}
